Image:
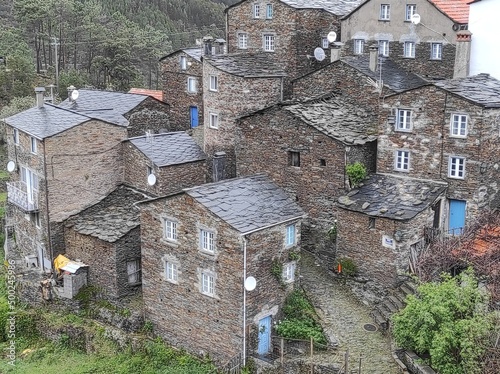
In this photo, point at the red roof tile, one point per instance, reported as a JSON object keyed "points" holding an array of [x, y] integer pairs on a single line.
{"points": [[457, 10], [157, 94]]}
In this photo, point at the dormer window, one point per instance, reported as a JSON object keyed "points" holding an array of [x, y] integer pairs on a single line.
{"points": [[256, 11]]}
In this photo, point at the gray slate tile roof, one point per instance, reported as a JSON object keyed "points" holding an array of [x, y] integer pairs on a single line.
{"points": [[337, 7], [108, 106], [169, 148], [194, 52], [45, 122], [393, 76], [247, 64], [247, 204], [338, 119], [480, 89], [392, 197], [112, 217]]}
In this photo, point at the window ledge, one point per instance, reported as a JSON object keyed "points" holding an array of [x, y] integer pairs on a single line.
{"points": [[169, 242], [134, 284]]}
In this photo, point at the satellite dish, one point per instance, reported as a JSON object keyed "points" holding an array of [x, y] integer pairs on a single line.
{"points": [[319, 54], [74, 95], [151, 179], [415, 19], [11, 166], [250, 284], [332, 36]]}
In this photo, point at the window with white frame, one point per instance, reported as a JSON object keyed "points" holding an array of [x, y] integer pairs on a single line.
{"points": [[171, 271], [269, 11], [324, 42], [207, 242], [385, 12], [436, 51], [402, 162], [30, 179], [359, 46], [411, 9], [256, 11], [409, 49], [15, 135], [214, 84], [183, 62], [134, 271], [170, 230], [383, 48], [456, 167], [289, 272], [403, 120], [290, 235], [191, 84], [34, 145], [269, 43], [213, 120], [207, 284], [458, 125], [242, 40]]}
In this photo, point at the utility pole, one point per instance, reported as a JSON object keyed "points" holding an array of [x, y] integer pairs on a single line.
{"points": [[56, 43]]}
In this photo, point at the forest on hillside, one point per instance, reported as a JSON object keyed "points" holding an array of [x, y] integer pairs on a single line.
{"points": [[105, 44]]}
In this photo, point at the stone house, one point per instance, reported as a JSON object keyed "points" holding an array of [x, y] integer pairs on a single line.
{"points": [[201, 246], [304, 148], [160, 164], [436, 45], [106, 237], [234, 85]]}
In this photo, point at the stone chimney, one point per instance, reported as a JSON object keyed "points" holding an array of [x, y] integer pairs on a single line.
{"points": [[40, 93], [220, 47], [373, 58], [335, 52], [207, 45], [219, 164], [462, 54]]}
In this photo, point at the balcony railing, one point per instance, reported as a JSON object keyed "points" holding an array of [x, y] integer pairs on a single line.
{"points": [[17, 193], [432, 234]]}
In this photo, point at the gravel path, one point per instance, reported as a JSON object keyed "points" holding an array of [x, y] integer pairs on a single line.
{"points": [[343, 318]]}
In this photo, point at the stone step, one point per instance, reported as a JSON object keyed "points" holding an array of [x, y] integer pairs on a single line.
{"points": [[401, 296], [379, 319], [390, 306], [411, 285], [406, 290], [384, 310], [396, 302]]}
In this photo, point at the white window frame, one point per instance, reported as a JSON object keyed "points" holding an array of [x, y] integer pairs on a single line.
{"points": [[290, 235], [269, 11], [403, 120], [192, 85], [289, 272], [359, 46], [171, 271], [207, 241], [256, 11], [268, 42], [213, 120], [385, 12], [214, 83], [134, 275], [436, 51], [458, 125], [30, 179], [15, 135], [383, 48], [411, 9], [183, 62], [456, 167], [409, 49], [208, 283], [242, 40], [33, 145], [170, 230], [402, 160], [324, 42]]}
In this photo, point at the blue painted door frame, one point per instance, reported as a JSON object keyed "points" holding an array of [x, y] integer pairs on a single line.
{"points": [[456, 222], [264, 336]]}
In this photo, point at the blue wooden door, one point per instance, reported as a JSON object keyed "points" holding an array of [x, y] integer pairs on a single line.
{"points": [[264, 336], [457, 217], [193, 113]]}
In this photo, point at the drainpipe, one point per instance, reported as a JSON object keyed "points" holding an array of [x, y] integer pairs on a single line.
{"points": [[49, 235], [244, 302]]}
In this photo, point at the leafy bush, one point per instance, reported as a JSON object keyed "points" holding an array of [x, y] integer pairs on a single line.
{"points": [[348, 267], [356, 173]]}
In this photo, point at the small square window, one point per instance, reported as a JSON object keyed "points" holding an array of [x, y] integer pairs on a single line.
{"points": [[170, 230], [436, 51], [213, 83], [15, 135], [269, 43], [324, 43], [269, 11], [171, 271], [134, 271], [289, 272], [458, 125], [290, 235], [359, 46], [409, 49], [383, 48], [402, 162], [183, 63], [34, 145], [371, 223], [207, 242], [191, 84], [403, 120], [207, 284], [256, 11], [242, 40], [294, 158], [213, 120], [385, 12], [456, 167], [411, 9]]}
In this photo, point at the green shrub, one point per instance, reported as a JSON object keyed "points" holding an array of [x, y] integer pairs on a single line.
{"points": [[348, 267], [356, 173]]}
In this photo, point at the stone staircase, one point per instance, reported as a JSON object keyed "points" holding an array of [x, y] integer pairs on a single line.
{"points": [[392, 303]]}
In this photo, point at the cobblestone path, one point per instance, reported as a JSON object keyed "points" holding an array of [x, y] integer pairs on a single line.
{"points": [[343, 318]]}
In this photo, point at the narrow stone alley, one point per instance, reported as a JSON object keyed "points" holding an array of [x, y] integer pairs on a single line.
{"points": [[343, 318]]}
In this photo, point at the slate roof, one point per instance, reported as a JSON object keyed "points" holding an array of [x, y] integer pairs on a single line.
{"points": [[481, 89], [108, 106], [111, 218], [338, 119], [247, 65], [393, 197], [157, 94], [194, 52], [46, 121], [169, 149], [247, 204], [337, 7], [393, 76], [457, 10]]}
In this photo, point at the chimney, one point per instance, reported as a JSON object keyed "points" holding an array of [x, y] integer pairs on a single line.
{"points": [[207, 45], [335, 52], [219, 164], [462, 54], [70, 91], [373, 58], [39, 91]]}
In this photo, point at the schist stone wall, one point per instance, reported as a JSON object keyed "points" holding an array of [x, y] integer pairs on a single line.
{"points": [[180, 312], [151, 115]]}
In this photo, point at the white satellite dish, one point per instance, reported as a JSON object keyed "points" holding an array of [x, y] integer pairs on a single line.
{"points": [[415, 19], [250, 284], [151, 179], [332, 36], [11, 166], [74, 95], [319, 54]]}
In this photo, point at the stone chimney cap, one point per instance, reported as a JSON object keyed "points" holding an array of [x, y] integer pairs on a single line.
{"points": [[39, 89]]}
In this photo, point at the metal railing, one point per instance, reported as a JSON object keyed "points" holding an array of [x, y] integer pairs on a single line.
{"points": [[17, 194]]}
